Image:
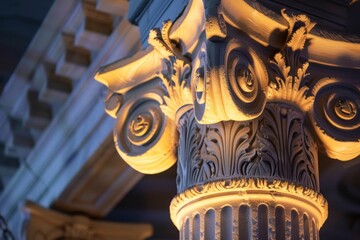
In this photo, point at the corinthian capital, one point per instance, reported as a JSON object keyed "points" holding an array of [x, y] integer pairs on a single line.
{"points": [[228, 60]]}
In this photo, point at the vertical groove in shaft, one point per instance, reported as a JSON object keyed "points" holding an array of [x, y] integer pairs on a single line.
{"points": [[250, 221], [280, 223], [315, 230], [306, 228], [226, 223], [294, 225], [196, 227], [263, 227], [187, 229], [181, 233], [244, 223], [210, 225]]}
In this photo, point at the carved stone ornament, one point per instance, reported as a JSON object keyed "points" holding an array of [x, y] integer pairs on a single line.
{"points": [[275, 146], [224, 75], [46, 224], [226, 90]]}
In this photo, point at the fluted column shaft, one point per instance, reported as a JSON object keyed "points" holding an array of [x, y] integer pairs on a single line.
{"points": [[250, 221]]}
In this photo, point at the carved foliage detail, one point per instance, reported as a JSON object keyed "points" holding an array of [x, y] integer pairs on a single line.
{"points": [[277, 145], [228, 148], [191, 139], [289, 79], [176, 71], [287, 146], [332, 106], [176, 81]]}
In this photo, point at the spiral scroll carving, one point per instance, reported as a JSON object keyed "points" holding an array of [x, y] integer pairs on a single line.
{"points": [[143, 126], [339, 111], [144, 136], [229, 88], [245, 77], [337, 118]]}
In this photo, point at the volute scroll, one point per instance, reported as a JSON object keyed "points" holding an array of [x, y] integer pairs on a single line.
{"points": [[336, 118], [144, 136], [229, 87]]}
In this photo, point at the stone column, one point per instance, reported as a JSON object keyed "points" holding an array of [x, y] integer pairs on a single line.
{"points": [[248, 180], [225, 91]]}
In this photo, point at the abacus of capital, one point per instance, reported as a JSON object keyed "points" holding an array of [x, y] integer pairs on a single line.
{"points": [[235, 94]]}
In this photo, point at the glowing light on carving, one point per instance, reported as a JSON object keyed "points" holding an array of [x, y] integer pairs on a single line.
{"points": [[251, 193]]}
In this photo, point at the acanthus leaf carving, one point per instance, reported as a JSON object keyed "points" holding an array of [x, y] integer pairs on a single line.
{"points": [[191, 138], [289, 74], [288, 146], [331, 105], [176, 71], [277, 145], [160, 40], [299, 27], [228, 145], [176, 81]]}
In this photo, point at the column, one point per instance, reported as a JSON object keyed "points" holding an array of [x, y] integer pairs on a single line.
{"points": [[226, 92], [248, 180]]}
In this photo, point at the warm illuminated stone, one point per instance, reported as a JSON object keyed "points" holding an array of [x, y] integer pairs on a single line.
{"points": [[227, 87]]}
